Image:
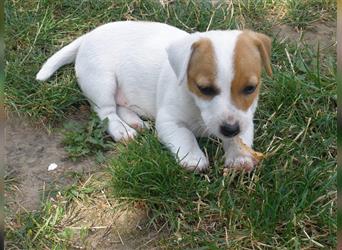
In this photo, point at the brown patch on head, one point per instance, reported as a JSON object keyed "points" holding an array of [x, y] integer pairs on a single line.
{"points": [[202, 70], [252, 51]]}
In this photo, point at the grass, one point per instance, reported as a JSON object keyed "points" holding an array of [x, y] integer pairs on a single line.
{"points": [[82, 140], [273, 206], [302, 13], [55, 224], [34, 231], [289, 202]]}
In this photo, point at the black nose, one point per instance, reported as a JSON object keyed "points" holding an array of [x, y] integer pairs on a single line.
{"points": [[230, 130]]}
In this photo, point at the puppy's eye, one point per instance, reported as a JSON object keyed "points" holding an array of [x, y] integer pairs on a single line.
{"points": [[249, 90], [210, 91]]}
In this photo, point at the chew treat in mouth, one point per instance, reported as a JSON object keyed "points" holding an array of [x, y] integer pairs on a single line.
{"points": [[257, 156]]}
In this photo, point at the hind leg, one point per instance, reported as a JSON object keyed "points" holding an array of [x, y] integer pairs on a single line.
{"points": [[99, 87], [131, 118], [117, 128]]}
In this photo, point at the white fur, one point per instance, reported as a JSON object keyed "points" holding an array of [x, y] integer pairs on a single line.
{"points": [[127, 69]]}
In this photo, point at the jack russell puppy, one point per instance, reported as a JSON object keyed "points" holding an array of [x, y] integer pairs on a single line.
{"points": [[193, 85]]}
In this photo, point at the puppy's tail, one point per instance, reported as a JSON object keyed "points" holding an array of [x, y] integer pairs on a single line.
{"points": [[64, 56]]}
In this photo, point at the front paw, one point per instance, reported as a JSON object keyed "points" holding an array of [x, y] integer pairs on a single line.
{"points": [[242, 162], [195, 162]]}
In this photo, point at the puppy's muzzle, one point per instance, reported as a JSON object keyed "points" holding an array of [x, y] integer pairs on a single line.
{"points": [[230, 130]]}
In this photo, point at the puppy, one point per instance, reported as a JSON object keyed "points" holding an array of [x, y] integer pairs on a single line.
{"points": [[200, 84]]}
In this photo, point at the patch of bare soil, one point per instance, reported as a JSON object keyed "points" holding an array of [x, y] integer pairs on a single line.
{"points": [[29, 152], [320, 32]]}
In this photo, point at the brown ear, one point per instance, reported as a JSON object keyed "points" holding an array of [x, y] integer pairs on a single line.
{"points": [[264, 44]]}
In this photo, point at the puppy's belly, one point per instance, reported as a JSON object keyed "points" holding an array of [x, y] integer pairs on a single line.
{"points": [[141, 101], [120, 98], [137, 78]]}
